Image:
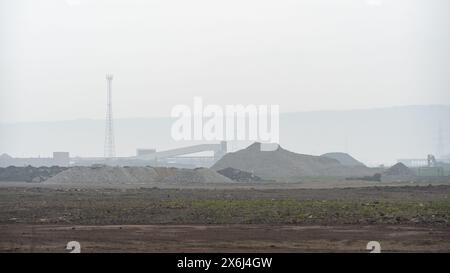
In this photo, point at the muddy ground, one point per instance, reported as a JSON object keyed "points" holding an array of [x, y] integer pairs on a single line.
{"points": [[222, 238], [405, 219]]}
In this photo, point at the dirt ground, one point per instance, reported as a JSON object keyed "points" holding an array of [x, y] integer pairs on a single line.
{"points": [[222, 238], [402, 219]]}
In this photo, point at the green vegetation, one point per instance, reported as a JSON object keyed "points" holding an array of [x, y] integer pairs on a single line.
{"points": [[404, 206], [314, 211]]}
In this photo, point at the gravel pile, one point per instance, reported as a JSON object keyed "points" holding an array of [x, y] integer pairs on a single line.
{"points": [[29, 174], [283, 165], [238, 175], [398, 173], [344, 158], [106, 175], [399, 169], [200, 175]]}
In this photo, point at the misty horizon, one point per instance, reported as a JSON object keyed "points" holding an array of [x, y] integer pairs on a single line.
{"points": [[373, 136], [281, 112]]}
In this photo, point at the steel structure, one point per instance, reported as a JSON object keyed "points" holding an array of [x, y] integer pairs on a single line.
{"points": [[109, 151]]}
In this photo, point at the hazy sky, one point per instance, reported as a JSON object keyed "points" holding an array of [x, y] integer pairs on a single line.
{"points": [[302, 55]]}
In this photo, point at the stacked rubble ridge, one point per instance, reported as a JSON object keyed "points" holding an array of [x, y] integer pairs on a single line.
{"points": [[283, 165]]}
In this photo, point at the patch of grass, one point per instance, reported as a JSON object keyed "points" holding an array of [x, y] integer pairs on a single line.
{"points": [[105, 207], [318, 211]]}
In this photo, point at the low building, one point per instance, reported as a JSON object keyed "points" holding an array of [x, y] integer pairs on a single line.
{"points": [[61, 159]]}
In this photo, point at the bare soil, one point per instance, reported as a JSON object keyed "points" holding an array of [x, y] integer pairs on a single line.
{"points": [[402, 219], [222, 238]]}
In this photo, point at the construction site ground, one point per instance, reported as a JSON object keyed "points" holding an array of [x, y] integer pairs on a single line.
{"points": [[251, 219]]}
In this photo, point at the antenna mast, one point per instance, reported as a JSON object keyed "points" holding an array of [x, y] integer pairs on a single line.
{"points": [[109, 152]]}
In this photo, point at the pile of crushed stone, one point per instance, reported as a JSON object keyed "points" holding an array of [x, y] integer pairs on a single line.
{"points": [[398, 173], [283, 165], [344, 158], [238, 175], [199, 175], [108, 175], [399, 169], [29, 173]]}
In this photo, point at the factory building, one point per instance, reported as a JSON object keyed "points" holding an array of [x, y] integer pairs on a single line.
{"points": [[61, 159], [201, 155]]}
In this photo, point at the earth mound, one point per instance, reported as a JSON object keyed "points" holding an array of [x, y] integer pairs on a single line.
{"points": [[283, 165], [399, 169], [398, 173], [183, 176], [344, 158], [107, 175], [238, 175], [104, 175], [29, 173]]}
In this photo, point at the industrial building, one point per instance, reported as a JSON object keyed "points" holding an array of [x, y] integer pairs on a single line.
{"points": [[429, 166], [184, 157], [61, 159]]}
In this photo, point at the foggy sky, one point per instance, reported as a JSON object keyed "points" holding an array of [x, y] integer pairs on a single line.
{"points": [[302, 55]]}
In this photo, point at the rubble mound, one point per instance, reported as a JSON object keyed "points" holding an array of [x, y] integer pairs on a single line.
{"points": [[398, 173], [199, 175], [239, 175], [5, 156], [344, 158], [284, 165], [28, 174], [107, 175], [399, 169]]}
